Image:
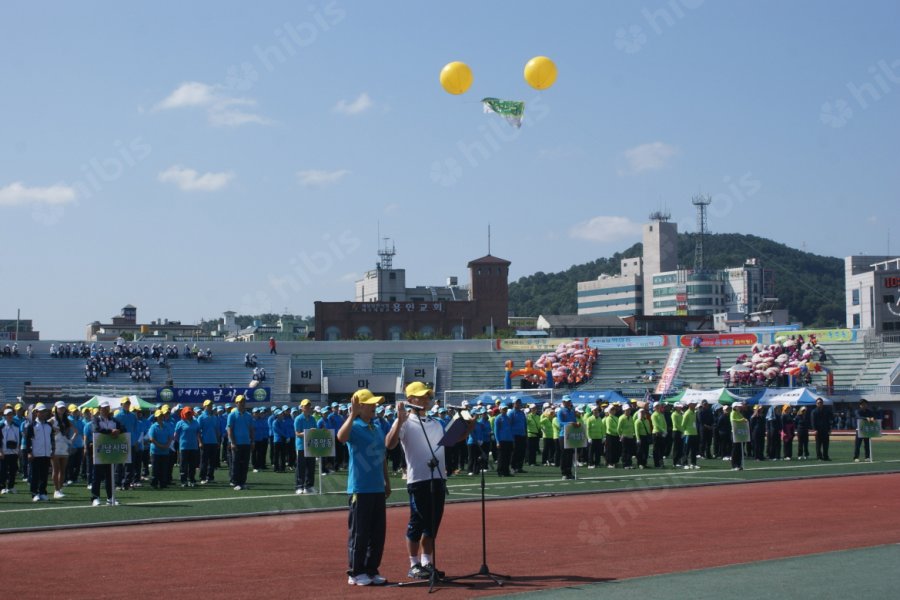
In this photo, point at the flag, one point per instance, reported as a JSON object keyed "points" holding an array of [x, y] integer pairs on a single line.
{"points": [[511, 110]]}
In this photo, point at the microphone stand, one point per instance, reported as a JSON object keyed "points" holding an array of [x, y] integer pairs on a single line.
{"points": [[432, 465], [484, 571]]}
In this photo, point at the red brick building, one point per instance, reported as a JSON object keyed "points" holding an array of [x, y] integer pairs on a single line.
{"points": [[484, 311]]}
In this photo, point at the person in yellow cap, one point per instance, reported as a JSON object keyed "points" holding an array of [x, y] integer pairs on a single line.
{"points": [[368, 486], [240, 438], [209, 442], [425, 475]]}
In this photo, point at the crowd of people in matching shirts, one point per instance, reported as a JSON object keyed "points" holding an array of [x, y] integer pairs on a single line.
{"points": [[43, 442]]}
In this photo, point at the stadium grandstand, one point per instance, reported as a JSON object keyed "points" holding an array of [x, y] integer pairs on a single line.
{"points": [[325, 371]]}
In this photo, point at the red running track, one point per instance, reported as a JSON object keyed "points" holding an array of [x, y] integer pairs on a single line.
{"points": [[541, 542]]}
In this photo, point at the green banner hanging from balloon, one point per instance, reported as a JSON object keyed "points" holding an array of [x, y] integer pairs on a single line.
{"points": [[511, 110]]}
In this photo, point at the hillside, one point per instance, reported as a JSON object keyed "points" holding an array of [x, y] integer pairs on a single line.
{"points": [[809, 285]]}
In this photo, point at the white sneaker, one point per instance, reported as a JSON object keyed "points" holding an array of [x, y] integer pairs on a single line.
{"points": [[787, 458], [238, 488], [687, 467], [4, 491], [361, 579], [695, 466], [36, 498], [112, 502], [378, 580], [57, 494], [300, 491], [95, 502]]}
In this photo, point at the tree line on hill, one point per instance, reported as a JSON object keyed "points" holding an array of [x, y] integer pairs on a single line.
{"points": [[810, 286]]}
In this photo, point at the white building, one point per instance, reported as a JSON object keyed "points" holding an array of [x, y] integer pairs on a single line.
{"points": [[617, 295], [872, 291]]}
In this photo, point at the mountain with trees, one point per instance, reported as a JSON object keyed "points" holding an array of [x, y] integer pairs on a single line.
{"points": [[810, 286]]}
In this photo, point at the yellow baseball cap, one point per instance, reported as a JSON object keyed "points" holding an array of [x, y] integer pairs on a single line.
{"points": [[238, 398], [364, 396], [305, 402], [207, 402], [417, 389]]}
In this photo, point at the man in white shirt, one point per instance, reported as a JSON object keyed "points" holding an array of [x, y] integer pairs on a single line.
{"points": [[426, 475], [9, 452]]}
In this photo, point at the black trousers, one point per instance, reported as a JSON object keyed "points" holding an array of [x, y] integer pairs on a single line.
{"points": [[160, 466], [504, 457], [279, 459], [259, 453], [596, 452], [367, 523], [823, 438], [8, 470], [677, 448], [659, 449], [613, 446], [643, 450], [73, 467], [474, 457], [737, 456], [862, 442], [802, 444], [40, 468], [101, 473], [305, 474], [190, 459], [518, 457], [241, 463], [208, 458], [531, 450], [565, 463], [548, 453], [629, 447], [692, 446]]}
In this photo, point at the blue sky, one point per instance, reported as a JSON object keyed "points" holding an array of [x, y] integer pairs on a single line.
{"points": [[190, 158]]}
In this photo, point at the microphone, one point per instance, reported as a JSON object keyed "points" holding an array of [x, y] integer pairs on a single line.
{"points": [[410, 405]]}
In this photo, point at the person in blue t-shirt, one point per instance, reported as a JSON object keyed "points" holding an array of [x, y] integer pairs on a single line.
{"points": [[280, 435], [240, 438], [261, 434], [334, 420], [159, 439], [517, 418], [306, 466], [368, 487], [503, 433], [76, 453], [209, 442], [188, 433], [479, 440], [127, 474]]}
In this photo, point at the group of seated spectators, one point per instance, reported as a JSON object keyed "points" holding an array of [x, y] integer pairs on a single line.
{"points": [[772, 365], [571, 363], [12, 351]]}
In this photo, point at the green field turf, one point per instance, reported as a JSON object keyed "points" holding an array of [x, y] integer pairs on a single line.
{"points": [[274, 492], [832, 575]]}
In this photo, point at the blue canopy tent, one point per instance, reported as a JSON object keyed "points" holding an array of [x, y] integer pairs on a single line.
{"points": [[590, 397], [790, 396]]}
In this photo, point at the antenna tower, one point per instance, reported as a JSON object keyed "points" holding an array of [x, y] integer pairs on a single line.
{"points": [[701, 202], [386, 255]]}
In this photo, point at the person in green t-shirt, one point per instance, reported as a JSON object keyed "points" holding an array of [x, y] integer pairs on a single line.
{"points": [[737, 451], [642, 429], [548, 452], [626, 436], [658, 422], [691, 439], [677, 434], [613, 445], [596, 432]]}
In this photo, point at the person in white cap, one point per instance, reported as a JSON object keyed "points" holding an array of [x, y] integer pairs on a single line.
{"points": [[9, 452], [39, 445], [103, 422], [63, 438]]}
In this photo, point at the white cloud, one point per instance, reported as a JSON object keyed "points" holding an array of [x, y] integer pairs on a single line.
{"points": [[648, 157], [17, 194], [606, 229], [221, 108], [317, 178], [358, 106], [190, 180]]}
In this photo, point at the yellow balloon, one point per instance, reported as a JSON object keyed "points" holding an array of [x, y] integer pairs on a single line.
{"points": [[456, 77], [540, 72]]}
